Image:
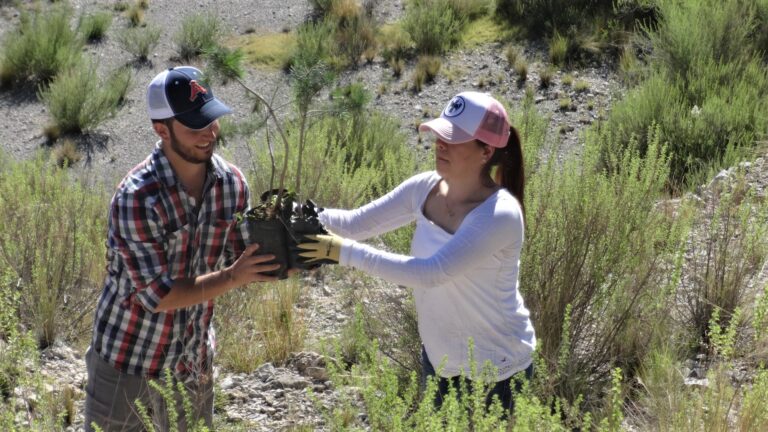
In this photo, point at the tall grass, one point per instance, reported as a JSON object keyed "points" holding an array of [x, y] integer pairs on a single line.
{"points": [[94, 26], [51, 242], [198, 32], [139, 41], [78, 100], [40, 47]]}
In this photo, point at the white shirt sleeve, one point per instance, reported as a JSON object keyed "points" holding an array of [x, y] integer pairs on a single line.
{"points": [[483, 233], [391, 211]]}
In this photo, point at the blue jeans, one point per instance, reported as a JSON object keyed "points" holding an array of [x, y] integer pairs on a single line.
{"points": [[504, 389]]}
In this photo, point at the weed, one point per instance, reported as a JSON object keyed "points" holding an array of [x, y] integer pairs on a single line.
{"points": [[139, 41], [67, 154], [198, 32], [512, 53], [142, 4], [558, 49], [52, 132], [94, 27], [395, 42], [581, 86], [397, 66], [567, 80], [135, 15], [521, 69], [273, 50], [545, 77], [120, 6]]}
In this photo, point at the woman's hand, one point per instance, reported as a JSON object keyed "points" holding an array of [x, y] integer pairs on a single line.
{"points": [[321, 247]]}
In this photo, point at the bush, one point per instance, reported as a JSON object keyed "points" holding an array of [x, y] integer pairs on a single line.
{"points": [[94, 27], [354, 36], [592, 264], [433, 26], [198, 32], [558, 49], [707, 89], [395, 43], [139, 41], [79, 101], [426, 71], [52, 237], [715, 109], [40, 47]]}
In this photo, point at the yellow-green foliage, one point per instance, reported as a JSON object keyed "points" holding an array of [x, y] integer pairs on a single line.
{"points": [[433, 25], [139, 41], [394, 41], [558, 49], [483, 31], [52, 238], [272, 51], [198, 33], [260, 325]]}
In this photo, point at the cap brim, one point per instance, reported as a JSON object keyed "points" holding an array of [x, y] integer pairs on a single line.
{"points": [[203, 116], [446, 130]]}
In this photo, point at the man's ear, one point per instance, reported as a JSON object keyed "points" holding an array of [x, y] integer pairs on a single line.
{"points": [[161, 129]]}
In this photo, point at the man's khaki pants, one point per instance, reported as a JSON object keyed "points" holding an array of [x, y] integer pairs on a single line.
{"points": [[111, 395]]}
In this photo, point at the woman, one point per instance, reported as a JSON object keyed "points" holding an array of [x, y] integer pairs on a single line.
{"points": [[465, 249]]}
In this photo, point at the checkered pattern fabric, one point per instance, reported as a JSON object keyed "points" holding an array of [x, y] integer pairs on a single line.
{"points": [[157, 234]]}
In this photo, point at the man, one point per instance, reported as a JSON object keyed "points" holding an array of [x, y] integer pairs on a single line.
{"points": [[173, 246]]}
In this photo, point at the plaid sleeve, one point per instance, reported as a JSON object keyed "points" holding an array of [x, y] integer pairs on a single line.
{"points": [[139, 238], [238, 235]]}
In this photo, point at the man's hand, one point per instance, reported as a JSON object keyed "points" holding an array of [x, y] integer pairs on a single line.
{"points": [[323, 247], [249, 267]]}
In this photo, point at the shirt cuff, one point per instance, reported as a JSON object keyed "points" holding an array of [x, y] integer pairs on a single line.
{"points": [[150, 296]]}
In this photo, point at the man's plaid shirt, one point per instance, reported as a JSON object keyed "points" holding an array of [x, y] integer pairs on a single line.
{"points": [[156, 235]]}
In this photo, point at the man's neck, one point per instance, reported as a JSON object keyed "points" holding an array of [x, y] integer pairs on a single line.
{"points": [[190, 175]]}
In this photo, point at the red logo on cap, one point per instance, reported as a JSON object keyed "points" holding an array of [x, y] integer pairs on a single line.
{"points": [[196, 89]]}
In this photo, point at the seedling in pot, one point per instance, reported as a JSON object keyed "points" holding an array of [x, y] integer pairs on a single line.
{"points": [[276, 223]]}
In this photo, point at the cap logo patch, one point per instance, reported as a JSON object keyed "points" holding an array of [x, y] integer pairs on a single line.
{"points": [[195, 90], [455, 107]]}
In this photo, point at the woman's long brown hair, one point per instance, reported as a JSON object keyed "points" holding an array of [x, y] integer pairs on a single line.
{"points": [[510, 169]]}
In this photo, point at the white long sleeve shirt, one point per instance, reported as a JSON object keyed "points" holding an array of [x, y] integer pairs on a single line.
{"points": [[465, 284]]}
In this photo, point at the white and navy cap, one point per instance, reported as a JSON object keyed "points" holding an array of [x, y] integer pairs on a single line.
{"points": [[469, 116], [181, 93]]}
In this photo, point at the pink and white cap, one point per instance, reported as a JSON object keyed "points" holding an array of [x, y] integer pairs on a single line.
{"points": [[471, 115]]}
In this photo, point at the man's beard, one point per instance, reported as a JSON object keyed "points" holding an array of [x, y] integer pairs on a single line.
{"points": [[186, 155]]}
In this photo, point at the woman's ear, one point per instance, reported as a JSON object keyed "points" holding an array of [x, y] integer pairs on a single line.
{"points": [[488, 152]]}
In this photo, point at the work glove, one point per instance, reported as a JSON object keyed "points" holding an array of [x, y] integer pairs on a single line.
{"points": [[321, 248]]}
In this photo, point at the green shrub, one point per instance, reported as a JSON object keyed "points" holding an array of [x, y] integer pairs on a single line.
{"points": [[53, 241], [198, 32], [94, 26], [689, 32], [40, 47], [596, 257], [78, 101], [139, 41], [716, 109], [433, 26]]}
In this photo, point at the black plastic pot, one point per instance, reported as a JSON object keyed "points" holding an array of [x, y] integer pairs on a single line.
{"points": [[271, 237], [303, 222]]}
